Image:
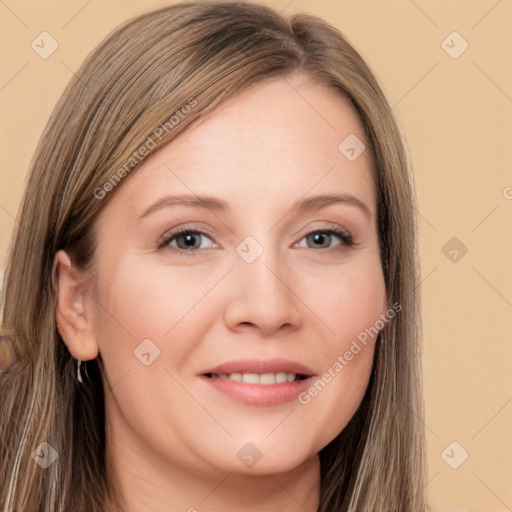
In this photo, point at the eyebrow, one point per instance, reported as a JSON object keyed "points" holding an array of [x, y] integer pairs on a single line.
{"points": [[213, 203]]}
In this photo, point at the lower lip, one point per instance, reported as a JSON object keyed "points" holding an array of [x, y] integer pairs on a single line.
{"points": [[259, 394]]}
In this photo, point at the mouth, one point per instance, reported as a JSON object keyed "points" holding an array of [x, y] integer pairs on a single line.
{"points": [[263, 379], [257, 382]]}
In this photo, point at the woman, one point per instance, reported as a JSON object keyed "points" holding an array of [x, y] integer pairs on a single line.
{"points": [[217, 275]]}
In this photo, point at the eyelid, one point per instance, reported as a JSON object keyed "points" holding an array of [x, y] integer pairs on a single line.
{"points": [[324, 226]]}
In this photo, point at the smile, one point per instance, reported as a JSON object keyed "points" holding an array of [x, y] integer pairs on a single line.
{"points": [[260, 382], [264, 379]]}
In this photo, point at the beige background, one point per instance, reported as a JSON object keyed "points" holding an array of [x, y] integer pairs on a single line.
{"points": [[457, 117]]}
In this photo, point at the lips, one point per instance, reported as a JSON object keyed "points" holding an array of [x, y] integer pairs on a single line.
{"points": [[260, 367], [257, 382]]}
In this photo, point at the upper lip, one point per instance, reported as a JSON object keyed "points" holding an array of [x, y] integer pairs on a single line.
{"points": [[260, 366]]}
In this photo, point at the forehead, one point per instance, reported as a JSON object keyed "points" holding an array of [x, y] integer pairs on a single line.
{"points": [[273, 143]]}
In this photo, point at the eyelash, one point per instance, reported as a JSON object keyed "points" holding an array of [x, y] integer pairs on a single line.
{"points": [[346, 239]]}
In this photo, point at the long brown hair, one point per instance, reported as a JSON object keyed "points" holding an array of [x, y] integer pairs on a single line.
{"points": [[149, 69]]}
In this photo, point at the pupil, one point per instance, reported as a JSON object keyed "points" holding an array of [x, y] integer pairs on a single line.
{"points": [[318, 238], [189, 240]]}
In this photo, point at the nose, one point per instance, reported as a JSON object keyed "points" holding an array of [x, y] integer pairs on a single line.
{"points": [[262, 297]]}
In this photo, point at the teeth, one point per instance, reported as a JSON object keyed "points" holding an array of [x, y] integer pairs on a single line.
{"points": [[265, 379], [282, 377], [250, 378]]}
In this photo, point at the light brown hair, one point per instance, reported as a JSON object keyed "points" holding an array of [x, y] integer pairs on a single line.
{"points": [[129, 86]]}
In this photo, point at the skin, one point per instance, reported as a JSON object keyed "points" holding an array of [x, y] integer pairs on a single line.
{"points": [[172, 438]]}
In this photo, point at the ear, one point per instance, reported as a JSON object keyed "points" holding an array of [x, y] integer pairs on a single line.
{"points": [[74, 311]]}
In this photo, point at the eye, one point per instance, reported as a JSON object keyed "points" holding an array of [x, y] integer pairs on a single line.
{"points": [[189, 241], [186, 241], [323, 238]]}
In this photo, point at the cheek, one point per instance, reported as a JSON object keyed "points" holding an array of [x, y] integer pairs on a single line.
{"points": [[145, 299], [352, 310], [353, 305], [138, 300]]}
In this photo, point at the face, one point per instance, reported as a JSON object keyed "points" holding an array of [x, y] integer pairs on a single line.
{"points": [[228, 320]]}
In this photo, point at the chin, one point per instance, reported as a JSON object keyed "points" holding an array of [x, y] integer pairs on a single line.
{"points": [[262, 458]]}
